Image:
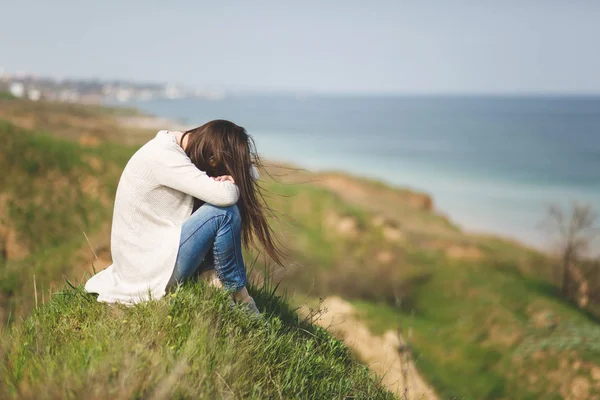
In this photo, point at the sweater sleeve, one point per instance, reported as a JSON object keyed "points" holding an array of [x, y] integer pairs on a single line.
{"points": [[176, 171], [254, 173]]}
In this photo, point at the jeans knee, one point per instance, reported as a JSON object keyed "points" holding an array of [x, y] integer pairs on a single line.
{"points": [[233, 212]]}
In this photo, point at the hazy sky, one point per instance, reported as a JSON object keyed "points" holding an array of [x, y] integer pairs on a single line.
{"points": [[329, 46]]}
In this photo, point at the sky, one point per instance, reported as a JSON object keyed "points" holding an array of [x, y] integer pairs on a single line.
{"points": [[433, 46]]}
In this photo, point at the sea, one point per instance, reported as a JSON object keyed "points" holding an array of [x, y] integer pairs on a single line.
{"points": [[492, 164]]}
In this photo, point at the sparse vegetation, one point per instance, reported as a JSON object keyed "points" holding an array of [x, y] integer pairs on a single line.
{"points": [[577, 275], [575, 230]]}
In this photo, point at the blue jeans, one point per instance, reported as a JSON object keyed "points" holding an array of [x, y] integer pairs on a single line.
{"points": [[211, 238]]}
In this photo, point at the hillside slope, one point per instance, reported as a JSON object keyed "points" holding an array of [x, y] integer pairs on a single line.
{"points": [[481, 314], [86, 124], [387, 355], [190, 345], [52, 192], [61, 164]]}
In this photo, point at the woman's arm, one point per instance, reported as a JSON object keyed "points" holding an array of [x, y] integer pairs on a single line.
{"points": [[253, 173], [176, 171]]}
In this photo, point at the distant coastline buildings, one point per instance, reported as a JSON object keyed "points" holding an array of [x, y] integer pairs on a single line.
{"points": [[34, 88]]}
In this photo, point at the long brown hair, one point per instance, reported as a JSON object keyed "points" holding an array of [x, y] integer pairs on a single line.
{"points": [[221, 147]]}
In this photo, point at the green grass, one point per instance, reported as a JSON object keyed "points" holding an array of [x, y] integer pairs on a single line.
{"points": [[473, 333], [468, 321], [55, 191], [6, 96], [325, 261], [73, 121], [191, 344]]}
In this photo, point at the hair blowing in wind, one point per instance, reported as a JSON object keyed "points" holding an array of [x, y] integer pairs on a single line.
{"points": [[221, 147]]}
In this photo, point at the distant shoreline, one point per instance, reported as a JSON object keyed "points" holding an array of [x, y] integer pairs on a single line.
{"points": [[478, 207], [150, 122], [157, 123]]}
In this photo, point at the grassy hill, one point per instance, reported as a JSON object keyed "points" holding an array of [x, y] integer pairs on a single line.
{"points": [[62, 173], [481, 315], [82, 123], [53, 192], [190, 345]]}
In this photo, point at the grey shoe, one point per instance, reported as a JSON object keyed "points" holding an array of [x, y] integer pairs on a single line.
{"points": [[250, 308]]}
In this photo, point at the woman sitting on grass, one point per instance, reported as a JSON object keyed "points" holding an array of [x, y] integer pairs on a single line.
{"points": [[157, 241]]}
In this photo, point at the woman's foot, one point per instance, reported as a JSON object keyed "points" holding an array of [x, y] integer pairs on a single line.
{"points": [[243, 298], [251, 308]]}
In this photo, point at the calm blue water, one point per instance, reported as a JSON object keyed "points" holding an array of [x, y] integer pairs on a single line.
{"points": [[492, 164]]}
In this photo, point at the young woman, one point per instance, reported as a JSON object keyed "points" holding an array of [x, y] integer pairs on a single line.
{"points": [[157, 241]]}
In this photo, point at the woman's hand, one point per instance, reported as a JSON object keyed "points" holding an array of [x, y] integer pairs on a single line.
{"points": [[224, 178]]}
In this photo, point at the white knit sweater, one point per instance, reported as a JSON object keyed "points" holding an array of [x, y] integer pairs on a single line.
{"points": [[154, 197]]}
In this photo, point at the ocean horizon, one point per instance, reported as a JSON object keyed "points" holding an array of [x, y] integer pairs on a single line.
{"points": [[493, 164]]}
